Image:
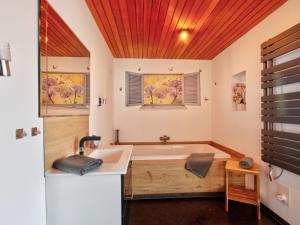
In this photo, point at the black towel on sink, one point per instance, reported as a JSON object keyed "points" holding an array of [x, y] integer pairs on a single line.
{"points": [[77, 164], [199, 163]]}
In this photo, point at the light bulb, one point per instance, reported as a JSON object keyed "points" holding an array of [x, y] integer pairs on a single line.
{"points": [[184, 35]]}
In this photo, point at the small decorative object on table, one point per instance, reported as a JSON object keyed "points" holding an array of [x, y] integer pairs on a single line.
{"points": [[241, 194], [246, 163]]}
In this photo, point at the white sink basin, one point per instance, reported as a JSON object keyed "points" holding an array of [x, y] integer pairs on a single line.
{"points": [[107, 155], [115, 161]]}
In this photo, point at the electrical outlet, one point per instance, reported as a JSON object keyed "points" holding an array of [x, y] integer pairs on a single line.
{"points": [[283, 194]]}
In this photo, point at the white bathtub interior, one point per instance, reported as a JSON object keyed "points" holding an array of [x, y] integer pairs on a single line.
{"points": [[172, 152]]}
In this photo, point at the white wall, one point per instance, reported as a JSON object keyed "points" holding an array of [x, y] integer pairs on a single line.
{"points": [[22, 194], [241, 130], [191, 124], [65, 64], [78, 17]]}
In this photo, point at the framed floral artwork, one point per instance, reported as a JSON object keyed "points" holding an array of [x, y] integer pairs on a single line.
{"points": [[239, 91], [163, 89], [64, 93], [63, 89]]}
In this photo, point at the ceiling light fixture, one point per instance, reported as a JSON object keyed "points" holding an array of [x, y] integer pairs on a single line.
{"points": [[184, 35]]}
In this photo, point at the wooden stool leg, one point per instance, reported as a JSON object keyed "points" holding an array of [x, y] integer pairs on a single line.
{"points": [[258, 212], [226, 205], [257, 188], [226, 197]]}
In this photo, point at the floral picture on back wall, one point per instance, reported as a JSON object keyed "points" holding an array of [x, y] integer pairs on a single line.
{"points": [[163, 89]]}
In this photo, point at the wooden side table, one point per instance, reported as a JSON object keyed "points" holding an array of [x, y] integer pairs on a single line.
{"points": [[241, 194]]}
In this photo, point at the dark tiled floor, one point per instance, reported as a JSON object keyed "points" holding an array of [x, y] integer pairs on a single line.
{"points": [[197, 211]]}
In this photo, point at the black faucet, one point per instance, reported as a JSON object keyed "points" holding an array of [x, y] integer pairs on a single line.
{"points": [[84, 139]]}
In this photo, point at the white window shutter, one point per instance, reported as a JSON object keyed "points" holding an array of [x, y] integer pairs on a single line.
{"points": [[134, 89], [191, 88]]}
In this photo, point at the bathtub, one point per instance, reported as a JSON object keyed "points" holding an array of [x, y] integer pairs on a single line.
{"points": [[159, 171], [173, 152]]}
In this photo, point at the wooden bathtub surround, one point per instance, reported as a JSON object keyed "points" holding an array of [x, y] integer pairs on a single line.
{"points": [[230, 151], [239, 192], [159, 177], [62, 135], [170, 178]]}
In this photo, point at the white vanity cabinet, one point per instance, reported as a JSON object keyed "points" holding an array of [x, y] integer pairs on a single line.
{"points": [[93, 199]]}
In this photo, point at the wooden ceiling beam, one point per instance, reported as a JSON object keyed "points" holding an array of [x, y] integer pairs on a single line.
{"points": [[202, 23], [194, 15], [181, 22], [155, 9], [169, 15], [251, 20], [131, 8], [119, 25], [61, 40], [160, 25], [218, 30], [105, 7], [172, 26], [222, 10], [125, 22], [101, 27], [149, 28]]}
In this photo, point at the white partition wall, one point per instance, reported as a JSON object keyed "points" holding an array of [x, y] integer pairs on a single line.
{"points": [[22, 185]]}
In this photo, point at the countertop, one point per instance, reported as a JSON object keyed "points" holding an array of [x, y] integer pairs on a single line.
{"points": [[111, 166]]}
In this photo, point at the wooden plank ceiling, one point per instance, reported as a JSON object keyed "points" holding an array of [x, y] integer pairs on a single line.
{"points": [[58, 39], [149, 28]]}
